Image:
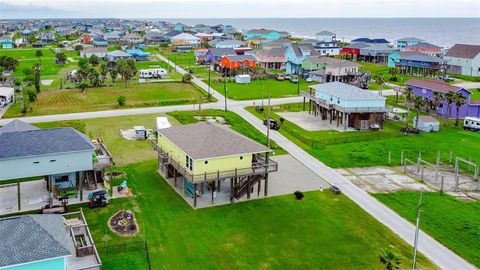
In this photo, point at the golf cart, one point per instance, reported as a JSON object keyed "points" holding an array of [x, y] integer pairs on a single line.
{"points": [[273, 124], [98, 199]]}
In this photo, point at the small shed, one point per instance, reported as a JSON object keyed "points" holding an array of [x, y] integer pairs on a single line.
{"points": [[140, 132], [427, 123], [6, 95], [242, 78]]}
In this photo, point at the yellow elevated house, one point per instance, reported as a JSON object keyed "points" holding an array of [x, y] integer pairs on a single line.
{"points": [[205, 153]]}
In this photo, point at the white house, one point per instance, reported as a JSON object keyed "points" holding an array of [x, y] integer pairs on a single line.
{"points": [[100, 52], [185, 39], [463, 59], [326, 43]]}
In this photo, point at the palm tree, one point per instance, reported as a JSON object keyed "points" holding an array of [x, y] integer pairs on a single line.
{"points": [[449, 98], [419, 102], [408, 99], [459, 99], [39, 54], [380, 80], [437, 100], [390, 259]]}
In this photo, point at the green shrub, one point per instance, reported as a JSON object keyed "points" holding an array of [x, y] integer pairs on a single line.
{"points": [[121, 100], [32, 95]]}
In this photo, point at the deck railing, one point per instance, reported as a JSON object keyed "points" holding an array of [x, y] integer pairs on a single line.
{"points": [[260, 166], [337, 107]]}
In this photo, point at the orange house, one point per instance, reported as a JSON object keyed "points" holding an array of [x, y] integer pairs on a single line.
{"points": [[86, 39], [238, 61]]}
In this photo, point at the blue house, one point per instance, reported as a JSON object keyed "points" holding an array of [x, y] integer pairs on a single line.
{"points": [[6, 42], [138, 55], [214, 55], [415, 63], [263, 33], [295, 55], [401, 44]]}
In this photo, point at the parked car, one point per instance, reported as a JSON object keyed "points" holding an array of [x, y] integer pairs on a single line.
{"points": [[288, 77], [280, 77], [294, 79], [273, 124], [98, 199], [446, 78], [308, 79], [335, 190]]}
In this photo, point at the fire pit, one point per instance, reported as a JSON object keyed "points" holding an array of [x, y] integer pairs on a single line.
{"points": [[123, 223]]}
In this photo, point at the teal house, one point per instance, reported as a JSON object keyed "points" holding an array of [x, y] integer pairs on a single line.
{"points": [[295, 55], [263, 33], [6, 42]]}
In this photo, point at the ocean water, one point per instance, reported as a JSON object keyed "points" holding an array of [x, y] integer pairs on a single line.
{"points": [[442, 32]]}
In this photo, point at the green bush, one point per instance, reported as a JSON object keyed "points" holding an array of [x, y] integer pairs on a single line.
{"points": [[32, 95], [121, 100]]}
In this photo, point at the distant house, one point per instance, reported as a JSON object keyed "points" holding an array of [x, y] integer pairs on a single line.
{"points": [[200, 55], [327, 69], [230, 43], [180, 27], [348, 105], [371, 40], [232, 65], [272, 58], [263, 33], [414, 63], [47, 241], [138, 55], [256, 42], [214, 55], [277, 43], [295, 55], [154, 38], [401, 44], [112, 37], [6, 42], [229, 30], [424, 48], [171, 34], [47, 37], [100, 42], [100, 52], [185, 39], [116, 55], [7, 95], [426, 88], [368, 52], [463, 59], [326, 43], [132, 38]]}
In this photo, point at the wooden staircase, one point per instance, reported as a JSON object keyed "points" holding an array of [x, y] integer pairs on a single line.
{"points": [[91, 180], [241, 188]]}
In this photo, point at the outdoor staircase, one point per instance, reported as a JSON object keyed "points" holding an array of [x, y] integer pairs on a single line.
{"points": [[91, 180], [361, 80], [241, 188]]}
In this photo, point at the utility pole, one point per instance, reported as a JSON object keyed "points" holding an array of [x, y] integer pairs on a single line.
{"points": [[298, 81], [225, 91], [268, 123], [209, 69], [415, 245]]}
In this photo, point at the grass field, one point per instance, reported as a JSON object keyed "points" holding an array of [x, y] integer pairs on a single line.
{"points": [[323, 231], [454, 223], [374, 151], [475, 93], [376, 69], [105, 98], [258, 89]]}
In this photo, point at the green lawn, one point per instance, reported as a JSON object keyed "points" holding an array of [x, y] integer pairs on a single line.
{"points": [[454, 223], [105, 98], [258, 89], [27, 53], [475, 93], [376, 69], [371, 148], [323, 231]]}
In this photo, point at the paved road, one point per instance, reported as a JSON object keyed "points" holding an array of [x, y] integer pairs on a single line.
{"points": [[435, 251]]}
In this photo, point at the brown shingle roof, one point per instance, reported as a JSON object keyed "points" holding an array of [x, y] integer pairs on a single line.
{"points": [[464, 51], [434, 85], [204, 140]]}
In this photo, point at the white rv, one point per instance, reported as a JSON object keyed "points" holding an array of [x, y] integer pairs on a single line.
{"points": [[471, 123], [157, 73]]}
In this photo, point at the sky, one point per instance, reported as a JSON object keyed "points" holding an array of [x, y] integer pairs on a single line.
{"points": [[13, 9]]}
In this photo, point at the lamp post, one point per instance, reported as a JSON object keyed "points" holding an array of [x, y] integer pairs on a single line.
{"points": [[417, 229], [225, 91], [209, 69]]}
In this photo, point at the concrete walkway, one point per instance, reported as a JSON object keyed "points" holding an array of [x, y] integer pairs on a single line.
{"points": [[435, 251]]}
